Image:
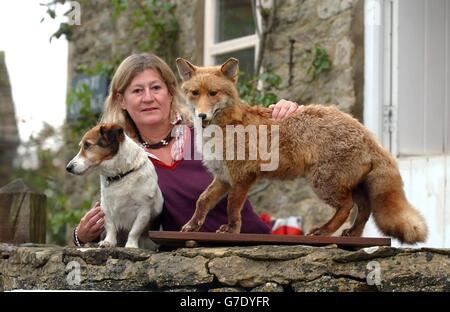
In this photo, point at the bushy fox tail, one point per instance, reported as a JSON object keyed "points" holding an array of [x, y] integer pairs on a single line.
{"points": [[393, 214]]}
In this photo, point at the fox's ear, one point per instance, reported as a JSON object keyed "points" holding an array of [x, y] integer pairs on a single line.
{"points": [[185, 69], [230, 69]]}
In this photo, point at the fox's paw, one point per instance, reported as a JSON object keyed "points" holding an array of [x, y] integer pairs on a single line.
{"points": [[350, 232], [229, 228], [191, 226], [347, 232], [318, 232], [106, 244]]}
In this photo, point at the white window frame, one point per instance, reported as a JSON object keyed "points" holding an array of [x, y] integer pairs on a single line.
{"points": [[380, 66], [212, 49]]}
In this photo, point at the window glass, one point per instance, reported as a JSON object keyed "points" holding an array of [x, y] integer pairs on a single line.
{"points": [[234, 19], [246, 59]]}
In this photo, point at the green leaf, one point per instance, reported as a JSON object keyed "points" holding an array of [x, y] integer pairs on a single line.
{"points": [[64, 29], [51, 13]]}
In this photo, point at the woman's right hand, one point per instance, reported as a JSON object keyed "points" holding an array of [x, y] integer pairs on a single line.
{"points": [[91, 225]]}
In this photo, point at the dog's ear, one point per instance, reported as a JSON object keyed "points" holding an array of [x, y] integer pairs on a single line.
{"points": [[185, 69], [112, 133], [230, 69]]}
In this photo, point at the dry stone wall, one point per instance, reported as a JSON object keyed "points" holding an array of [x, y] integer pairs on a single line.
{"points": [[253, 268]]}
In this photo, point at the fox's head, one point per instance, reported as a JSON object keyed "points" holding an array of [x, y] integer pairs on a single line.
{"points": [[209, 89]]}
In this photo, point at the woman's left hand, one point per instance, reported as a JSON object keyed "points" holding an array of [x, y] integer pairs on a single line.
{"points": [[284, 108]]}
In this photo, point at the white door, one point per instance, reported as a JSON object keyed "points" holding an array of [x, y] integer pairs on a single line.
{"points": [[409, 41]]}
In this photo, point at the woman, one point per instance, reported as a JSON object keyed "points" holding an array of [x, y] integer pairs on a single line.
{"points": [[144, 99]]}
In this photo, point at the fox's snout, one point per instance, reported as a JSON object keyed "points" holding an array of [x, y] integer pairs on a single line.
{"points": [[203, 115], [204, 118]]}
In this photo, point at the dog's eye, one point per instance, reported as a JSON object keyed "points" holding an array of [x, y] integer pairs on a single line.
{"points": [[195, 92], [86, 145], [212, 93]]}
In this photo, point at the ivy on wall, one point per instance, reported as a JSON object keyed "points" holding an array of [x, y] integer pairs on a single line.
{"points": [[65, 29], [318, 61], [250, 93]]}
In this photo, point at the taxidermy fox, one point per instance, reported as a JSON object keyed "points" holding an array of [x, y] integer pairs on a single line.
{"points": [[342, 161]]}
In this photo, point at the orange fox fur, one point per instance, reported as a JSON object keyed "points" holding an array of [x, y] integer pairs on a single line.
{"points": [[342, 161]]}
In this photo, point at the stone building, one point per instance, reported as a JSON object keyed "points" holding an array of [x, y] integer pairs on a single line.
{"points": [[294, 28], [9, 135]]}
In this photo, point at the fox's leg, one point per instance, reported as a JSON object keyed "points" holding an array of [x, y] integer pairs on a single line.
{"points": [[343, 207], [360, 197], [328, 186], [236, 199], [207, 200]]}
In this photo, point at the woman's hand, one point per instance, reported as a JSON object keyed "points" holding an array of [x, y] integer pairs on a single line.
{"points": [[284, 108], [91, 225]]}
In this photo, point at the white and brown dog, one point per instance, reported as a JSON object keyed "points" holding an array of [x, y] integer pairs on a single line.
{"points": [[130, 197]]}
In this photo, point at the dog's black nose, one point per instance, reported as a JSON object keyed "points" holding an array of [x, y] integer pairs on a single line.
{"points": [[70, 168], [202, 116]]}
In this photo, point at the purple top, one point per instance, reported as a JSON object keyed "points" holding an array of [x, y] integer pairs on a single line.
{"points": [[181, 186]]}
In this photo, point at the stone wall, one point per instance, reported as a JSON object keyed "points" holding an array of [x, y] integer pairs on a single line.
{"points": [[101, 38], [254, 268], [9, 134], [337, 26]]}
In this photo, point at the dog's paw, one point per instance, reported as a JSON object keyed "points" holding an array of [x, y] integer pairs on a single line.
{"points": [[229, 228], [191, 227], [106, 244]]}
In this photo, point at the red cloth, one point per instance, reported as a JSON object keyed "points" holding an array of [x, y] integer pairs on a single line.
{"points": [[283, 226]]}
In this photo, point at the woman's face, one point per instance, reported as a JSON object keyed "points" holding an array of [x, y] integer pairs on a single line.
{"points": [[147, 99]]}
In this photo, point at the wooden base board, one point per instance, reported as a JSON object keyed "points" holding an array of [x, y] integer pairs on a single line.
{"points": [[194, 239]]}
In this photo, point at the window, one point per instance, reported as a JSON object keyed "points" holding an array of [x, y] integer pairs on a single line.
{"points": [[230, 32], [423, 77]]}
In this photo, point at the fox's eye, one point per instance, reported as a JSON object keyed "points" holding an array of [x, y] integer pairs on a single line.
{"points": [[212, 93], [86, 145], [195, 92]]}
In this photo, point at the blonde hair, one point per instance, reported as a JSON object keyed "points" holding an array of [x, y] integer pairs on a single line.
{"points": [[125, 73]]}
